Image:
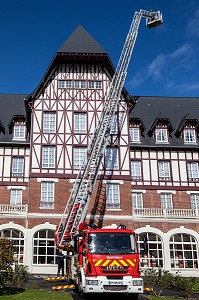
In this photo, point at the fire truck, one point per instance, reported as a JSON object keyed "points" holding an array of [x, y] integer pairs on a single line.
{"points": [[102, 259]]}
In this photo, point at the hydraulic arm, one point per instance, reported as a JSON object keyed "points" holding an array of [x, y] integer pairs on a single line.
{"points": [[77, 205]]}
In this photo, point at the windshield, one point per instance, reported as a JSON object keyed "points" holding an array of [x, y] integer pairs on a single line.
{"points": [[111, 243]]}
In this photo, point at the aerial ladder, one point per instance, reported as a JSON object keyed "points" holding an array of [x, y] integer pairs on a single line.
{"points": [[77, 205]]}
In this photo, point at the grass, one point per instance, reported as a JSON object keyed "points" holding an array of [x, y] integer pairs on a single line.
{"points": [[149, 297], [32, 294]]}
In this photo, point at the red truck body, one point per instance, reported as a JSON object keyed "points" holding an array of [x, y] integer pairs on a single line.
{"points": [[108, 261]]}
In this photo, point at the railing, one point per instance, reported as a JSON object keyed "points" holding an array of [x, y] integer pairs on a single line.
{"points": [[10, 209], [166, 213]]}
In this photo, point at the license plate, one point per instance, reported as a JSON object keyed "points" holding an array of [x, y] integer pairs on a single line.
{"points": [[115, 282]]}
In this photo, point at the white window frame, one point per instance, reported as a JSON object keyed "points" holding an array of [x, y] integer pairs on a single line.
{"points": [[137, 200], [44, 248], [136, 172], [47, 194], [164, 170], [166, 200], [189, 135], [17, 166], [48, 157], [134, 133], [194, 198], [15, 197], [112, 196], [183, 251], [79, 156], [155, 256], [66, 84], [95, 84], [161, 135], [111, 158], [79, 122], [80, 84], [19, 132], [49, 122], [17, 237], [193, 172]]}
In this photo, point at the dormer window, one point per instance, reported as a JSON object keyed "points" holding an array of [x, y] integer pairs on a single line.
{"points": [[189, 135], [161, 135], [134, 133], [19, 132]]}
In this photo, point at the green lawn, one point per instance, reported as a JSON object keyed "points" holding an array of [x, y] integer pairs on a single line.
{"points": [[32, 294]]}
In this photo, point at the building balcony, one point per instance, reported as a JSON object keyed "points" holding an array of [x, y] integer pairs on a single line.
{"points": [[166, 213], [13, 209]]}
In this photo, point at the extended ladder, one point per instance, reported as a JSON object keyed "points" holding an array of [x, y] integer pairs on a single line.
{"points": [[76, 208]]}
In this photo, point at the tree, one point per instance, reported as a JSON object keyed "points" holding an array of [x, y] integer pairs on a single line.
{"points": [[6, 261]]}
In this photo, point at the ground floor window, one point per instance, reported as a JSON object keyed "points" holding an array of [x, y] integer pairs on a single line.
{"points": [[154, 257], [44, 249], [17, 238], [183, 251]]}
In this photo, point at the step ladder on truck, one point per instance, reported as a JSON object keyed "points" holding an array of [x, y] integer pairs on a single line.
{"points": [[98, 264]]}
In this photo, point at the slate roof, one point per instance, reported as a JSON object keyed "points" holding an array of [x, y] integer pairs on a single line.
{"points": [[79, 47], [175, 109], [80, 41], [11, 105]]}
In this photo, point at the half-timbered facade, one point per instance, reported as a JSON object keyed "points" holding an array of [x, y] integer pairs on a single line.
{"points": [[148, 178]]}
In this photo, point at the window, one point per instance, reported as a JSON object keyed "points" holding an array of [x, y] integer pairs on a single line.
{"points": [[136, 170], [114, 125], [79, 155], [49, 122], [95, 84], [194, 201], [189, 135], [137, 200], [166, 200], [44, 250], [17, 237], [134, 133], [17, 166], [183, 251], [161, 135], [154, 257], [64, 84], [19, 131], [15, 197], [192, 171], [111, 158], [80, 122], [113, 195], [79, 84], [47, 194], [48, 157], [164, 170]]}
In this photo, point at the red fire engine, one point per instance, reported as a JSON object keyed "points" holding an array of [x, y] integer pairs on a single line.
{"points": [[106, 259]]}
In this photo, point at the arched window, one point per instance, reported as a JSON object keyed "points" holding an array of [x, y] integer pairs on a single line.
{"points": [[44, 249], [183, 251], [17, 237], [154, 257]]}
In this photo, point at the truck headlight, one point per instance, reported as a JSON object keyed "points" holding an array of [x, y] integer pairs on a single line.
{"points": [[137, 282], [92, 282]]}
